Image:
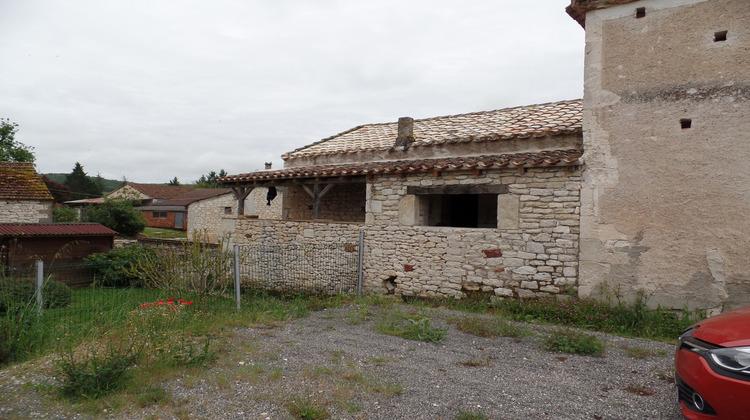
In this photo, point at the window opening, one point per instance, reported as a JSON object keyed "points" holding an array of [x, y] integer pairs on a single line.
{"points": [[460, 210], [159, 214], [720, 36], [640, 12], [686, 123]]}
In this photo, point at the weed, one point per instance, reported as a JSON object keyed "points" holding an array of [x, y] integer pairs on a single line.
{"points": [[93, 374], [412, 328], [576, 342], [492, 327], [151, 396], [643, 353], [360, 315], [305, 408], [470, 415]]}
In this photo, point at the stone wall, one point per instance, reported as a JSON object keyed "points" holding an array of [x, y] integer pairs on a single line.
{"points": [[533, 251], [205, 216], [25, 211], [257, 204], [343, 203], [667, 182]]}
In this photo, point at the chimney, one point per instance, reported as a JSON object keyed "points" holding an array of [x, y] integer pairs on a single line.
{"points": [[405, 136], [268, 165]]}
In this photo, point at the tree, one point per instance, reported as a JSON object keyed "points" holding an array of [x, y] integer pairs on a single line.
{"points": [[81, 184], [10, 149], [209, 181], [118, 215], [174, 182], [59, 191], [64, 215]]}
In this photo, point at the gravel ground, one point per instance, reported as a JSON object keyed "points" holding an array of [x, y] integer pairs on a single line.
{"points": [[335, 359]]}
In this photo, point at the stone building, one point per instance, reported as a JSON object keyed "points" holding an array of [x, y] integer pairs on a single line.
{"points": [[666, 182], [482, 202], [638, 189], [23, 196]]}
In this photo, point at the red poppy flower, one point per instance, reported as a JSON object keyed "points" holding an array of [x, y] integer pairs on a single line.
{"points": [[190, 302]]}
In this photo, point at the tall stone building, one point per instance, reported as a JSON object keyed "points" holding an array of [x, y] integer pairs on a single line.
{"points": [[666, 185]]}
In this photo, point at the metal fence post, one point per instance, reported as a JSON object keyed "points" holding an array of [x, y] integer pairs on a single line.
{"points": [[39, 286], [237, 295], [359, 263]]}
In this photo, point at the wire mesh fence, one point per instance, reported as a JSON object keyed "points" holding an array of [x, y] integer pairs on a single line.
{"points": [[314, 268]]}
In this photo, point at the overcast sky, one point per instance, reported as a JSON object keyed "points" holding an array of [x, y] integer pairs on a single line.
{"points": [[153, 89]]}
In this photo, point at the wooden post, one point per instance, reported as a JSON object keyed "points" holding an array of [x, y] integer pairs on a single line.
{"points": [[241, 193], [316, 193]]}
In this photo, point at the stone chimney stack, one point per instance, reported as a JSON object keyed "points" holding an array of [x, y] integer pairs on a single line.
{"points": [[268, 165], [405, 136]]}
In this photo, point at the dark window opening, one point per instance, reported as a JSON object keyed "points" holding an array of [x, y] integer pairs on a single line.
{"points": [[159, 214], [640, 12], [720, 36], [227, 210], [686, 123], [460, 210]]}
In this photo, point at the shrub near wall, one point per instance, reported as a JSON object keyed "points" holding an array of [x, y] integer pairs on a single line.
{"points": [[119, 267]]}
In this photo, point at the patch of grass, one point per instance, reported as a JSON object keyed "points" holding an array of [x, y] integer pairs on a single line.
{"points": [[575, 342], [492, 327], [470, 415], [305, 408], [159, 233], [411, 328], [642, 353], [361, 314], [152, 395]]}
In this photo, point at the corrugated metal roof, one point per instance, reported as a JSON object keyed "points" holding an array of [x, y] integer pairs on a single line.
{"points": [[55, 229]]}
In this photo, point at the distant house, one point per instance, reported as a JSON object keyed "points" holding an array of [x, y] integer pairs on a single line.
{"points": [[24, 198], [56, 244], [147, 194], [197, 210]]}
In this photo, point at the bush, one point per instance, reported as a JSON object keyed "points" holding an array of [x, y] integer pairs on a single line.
{"points": [[64, 215], [94, 375], [119, 267], [119, 216], [20, 292]]}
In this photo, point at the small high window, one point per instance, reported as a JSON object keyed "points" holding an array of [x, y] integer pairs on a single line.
{"points": [[227, 210], [640, 12], [159, 214], [686, 123], [720, 36]]}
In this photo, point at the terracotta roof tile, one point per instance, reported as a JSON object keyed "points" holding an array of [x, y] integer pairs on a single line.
{"points": [[55, 229], [578, 8], [190, 197], [159, 192], [537, 159], [510, 123], [20, 181]]}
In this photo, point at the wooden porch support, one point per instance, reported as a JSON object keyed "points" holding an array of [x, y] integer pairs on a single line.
{"points": [[316, 193], [241, 193]]}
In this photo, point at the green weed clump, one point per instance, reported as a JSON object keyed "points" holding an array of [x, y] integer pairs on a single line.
{"points": [[304, 408], [492, 327], [575, 342], [94, 374], [625, 319], [412, 328], [470, 415]]}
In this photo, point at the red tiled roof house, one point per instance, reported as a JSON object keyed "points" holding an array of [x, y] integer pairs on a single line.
{"points": [[23, 196], [486, 201]]}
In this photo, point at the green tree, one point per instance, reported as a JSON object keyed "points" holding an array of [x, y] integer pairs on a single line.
{"points": [[118, 215], [174, 182], [81, 185], [64, 215], [210, 180], [10, 149]]}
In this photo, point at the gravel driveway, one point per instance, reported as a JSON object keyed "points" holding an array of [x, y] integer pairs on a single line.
{"points": [[335, 359]]}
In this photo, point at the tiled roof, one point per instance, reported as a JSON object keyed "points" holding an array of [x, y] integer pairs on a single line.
{"points": [[55, 229], [538, 159], [20, 181], [578, 8], [510, 123], [197, 194], [158, 192]]}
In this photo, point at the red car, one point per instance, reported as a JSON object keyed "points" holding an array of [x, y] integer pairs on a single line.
{"points": [[712, 363]]}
